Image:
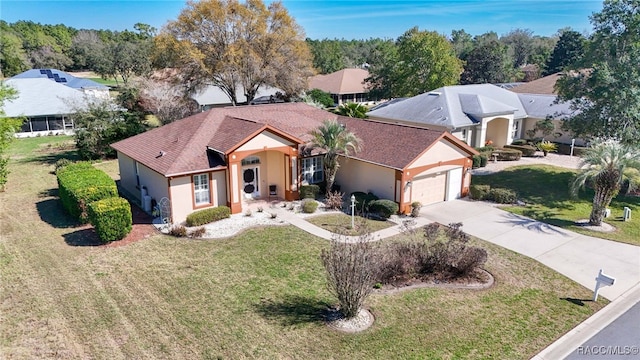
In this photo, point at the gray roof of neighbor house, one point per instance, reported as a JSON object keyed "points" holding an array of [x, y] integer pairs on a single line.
{"points": [[62, 78], [40, 97], [457, 106], [214, 96], [345, 81], [184, 146], [454, 106]]}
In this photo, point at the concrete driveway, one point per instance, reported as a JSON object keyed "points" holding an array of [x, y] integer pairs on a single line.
{"points": [[576, 256]]}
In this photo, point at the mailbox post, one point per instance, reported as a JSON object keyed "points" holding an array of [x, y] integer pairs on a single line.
{"points": [[602, 280]]}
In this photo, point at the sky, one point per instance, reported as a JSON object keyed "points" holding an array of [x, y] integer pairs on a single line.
{"points": [[354, 19]]}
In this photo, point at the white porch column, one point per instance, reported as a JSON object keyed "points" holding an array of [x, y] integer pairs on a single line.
{"points": [[510, 130], [481, 136]]}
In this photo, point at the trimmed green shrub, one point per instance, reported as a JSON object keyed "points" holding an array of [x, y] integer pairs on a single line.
{"points": [[80, 184], [479, 192], [519, 142], [527, 150], [111, 218], [362, 200], [209, 215], [502, 196], [60, 163], [309, 191], [479, 160], [383, 207], [483, 159], [309, 206], [508, 154], [485, 149]]}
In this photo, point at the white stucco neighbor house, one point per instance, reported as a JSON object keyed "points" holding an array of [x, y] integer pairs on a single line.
{"points": [[44, 104], [476, 114], [86, 86], [228, 156]]}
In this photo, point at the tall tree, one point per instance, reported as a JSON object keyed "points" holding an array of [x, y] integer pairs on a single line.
{"points": [[423, 61], [13, 57], [227, 44], [606, 165], [167, 101], [334, 140], [567, 51], [604, 88], [327, 54], [520, 42], [487, 63], [462, 43]]}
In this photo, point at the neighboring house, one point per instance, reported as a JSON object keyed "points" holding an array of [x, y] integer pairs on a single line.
{"points": [[45, 105], [87, 86], [212, 96], [476, 114], [227, 156], [347, 85]]}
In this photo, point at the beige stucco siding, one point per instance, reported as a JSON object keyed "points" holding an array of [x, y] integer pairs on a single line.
{"points": [[356, 175], [181, 198], [273, 171], [127, 168], [155, 183], [440, 152], [264, 139], [182, 202]]}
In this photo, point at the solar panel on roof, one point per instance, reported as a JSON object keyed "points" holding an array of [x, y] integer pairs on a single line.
{"points": [[43, 71], [64, 80], [49, 74], [56, 77]]}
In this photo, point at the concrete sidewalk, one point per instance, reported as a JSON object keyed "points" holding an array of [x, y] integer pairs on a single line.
{"points": [[576, 256], [303, 224]]}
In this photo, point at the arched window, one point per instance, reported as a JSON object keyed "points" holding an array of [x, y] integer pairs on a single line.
{"points": [[250, 160]]}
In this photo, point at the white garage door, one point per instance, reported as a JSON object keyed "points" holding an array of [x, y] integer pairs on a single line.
{"points": [[429, 189]]}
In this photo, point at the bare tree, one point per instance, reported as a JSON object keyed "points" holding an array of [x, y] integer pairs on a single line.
{"points": [[166, 100], [352, 271]]}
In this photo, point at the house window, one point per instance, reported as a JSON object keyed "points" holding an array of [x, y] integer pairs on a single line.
{"points": [[201, 189], [312, 171], [251, 160], [516, 127]]}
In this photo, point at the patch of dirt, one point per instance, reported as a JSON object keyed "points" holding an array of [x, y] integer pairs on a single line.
{"points": [[604, 227], [479, 280], [360, 322]]}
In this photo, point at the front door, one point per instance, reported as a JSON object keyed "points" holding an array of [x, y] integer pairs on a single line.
{"points": [[250, 186]]}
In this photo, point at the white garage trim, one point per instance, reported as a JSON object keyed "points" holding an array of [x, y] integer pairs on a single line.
{"points": [[454, 184]]}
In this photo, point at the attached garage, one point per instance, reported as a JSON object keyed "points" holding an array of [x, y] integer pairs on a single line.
{"points": [[440, 184]]}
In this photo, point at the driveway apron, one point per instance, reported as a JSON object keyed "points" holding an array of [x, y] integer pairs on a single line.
{"points": [[576, 256]]}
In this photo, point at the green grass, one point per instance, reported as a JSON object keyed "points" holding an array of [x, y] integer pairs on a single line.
{"points": [[545, 190], [107, 82], [341, 223], [257, 295]]}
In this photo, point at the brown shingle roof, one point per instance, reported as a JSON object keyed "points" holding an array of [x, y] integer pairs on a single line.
{"points": [[183, 143], [346, 81], [544, 85], [393, 145]]}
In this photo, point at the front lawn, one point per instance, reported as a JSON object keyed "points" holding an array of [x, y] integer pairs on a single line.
{"points": [[341, 223], [257, 295], [545, 190]]}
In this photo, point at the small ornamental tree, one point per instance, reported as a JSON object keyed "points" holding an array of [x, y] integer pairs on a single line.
{"points": [[352, 271]]}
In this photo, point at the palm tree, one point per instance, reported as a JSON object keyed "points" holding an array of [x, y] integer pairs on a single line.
{"points": [[353, 110], [607, 165], [335, 140]]}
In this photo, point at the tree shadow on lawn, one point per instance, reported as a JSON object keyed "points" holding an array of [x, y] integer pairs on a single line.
{"points": [[537, 225], [51, 158], [293, 310]]}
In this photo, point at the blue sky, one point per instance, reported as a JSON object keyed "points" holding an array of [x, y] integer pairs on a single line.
{"points": [[355, 19]]}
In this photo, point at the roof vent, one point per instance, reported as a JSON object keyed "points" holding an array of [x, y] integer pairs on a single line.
{"points": [[436, 93], [161, 154]]}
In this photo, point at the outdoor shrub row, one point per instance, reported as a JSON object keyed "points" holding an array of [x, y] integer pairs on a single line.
{"points": [[206, 216], [383, 207], [527, 150], [444, 252], [479, 192], [80, 184], [499, 195], [309, 191], [479, 160], [309, 206], [508, 154], [363, 200], [111, 218]]}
